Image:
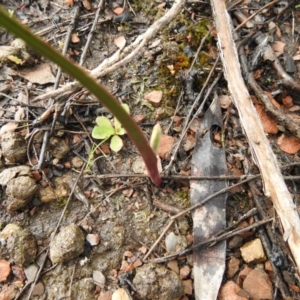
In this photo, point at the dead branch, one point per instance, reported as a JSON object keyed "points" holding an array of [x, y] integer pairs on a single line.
{"points": [[274, 185], [122, 56]]}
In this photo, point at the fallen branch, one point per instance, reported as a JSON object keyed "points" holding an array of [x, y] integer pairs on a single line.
{"points": [[121, 57], [274, 185]]}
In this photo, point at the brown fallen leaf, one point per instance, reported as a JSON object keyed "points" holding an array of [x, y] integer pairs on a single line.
{"points": [[161, 5], [288, 143], [187, 286], [4, 269], [120, 42], [189, 143], [165, 145], [278, 48], [294, 288], [10, 126], [69, 2], [87, 5], [225, 101], [269, 124], [75, 39], [20, 114], [296, 57], [274, 102], [40, 74]]}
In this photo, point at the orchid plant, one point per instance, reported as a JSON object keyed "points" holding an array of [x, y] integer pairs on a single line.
{"points": [[94, 87]]}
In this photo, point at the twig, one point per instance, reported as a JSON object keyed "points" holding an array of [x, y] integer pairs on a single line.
{"points": [[120, 58], [66, 44], [188, 122], [211, 241], [158, 239], [254, 14], [91, 33]]}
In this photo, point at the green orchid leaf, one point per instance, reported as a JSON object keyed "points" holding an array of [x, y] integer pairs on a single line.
{"points": [[102, 133], [120, 131], [116, 143], [103, 121], [104, 130]]}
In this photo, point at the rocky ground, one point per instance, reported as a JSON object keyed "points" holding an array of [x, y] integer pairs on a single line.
{"points": [[77, 219]]}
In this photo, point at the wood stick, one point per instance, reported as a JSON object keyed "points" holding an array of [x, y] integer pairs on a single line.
{"points": [[274, 186]]}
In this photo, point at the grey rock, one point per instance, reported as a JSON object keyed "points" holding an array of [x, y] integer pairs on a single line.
{"points": [[38, 289], [99, 278], [7, 174], [31, 272], [20, 246], [157, 283], [58, 147], [12, 144], [20, 191], [67, 244], [83, 289]]}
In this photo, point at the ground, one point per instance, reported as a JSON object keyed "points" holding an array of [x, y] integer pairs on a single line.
{"points": [[65, 208]]}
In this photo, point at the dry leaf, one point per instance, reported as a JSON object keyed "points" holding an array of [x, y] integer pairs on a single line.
{"points": [[139, 118], [195, 125], [278, 31], [105, 296], [278, 48], [294, 288], [87, 5], [287, 101], [120, 294], [257, 73], [274, 102], [120, 42], [176, 120], [225, 101], [189, 143], [296, 57], [118, 10], [165, 145], [269, 124], [40, 74], [161, 5], [75, 39], [69, 2], [288, 143], [8, 127], [20, 114], [154, 97]]}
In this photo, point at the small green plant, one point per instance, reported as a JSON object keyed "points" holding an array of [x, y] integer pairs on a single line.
{"points": [[105, 130], [94, 87], [155, 137]]}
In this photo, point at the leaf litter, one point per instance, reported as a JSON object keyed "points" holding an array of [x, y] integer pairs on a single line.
{"points": [[126, 220]]}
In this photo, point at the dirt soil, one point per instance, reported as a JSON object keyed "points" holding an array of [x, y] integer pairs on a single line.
{"points": [[78, 218]]}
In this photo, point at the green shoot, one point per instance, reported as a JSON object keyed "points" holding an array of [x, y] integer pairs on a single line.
{"points": [[155, 137], [105, 130]]}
